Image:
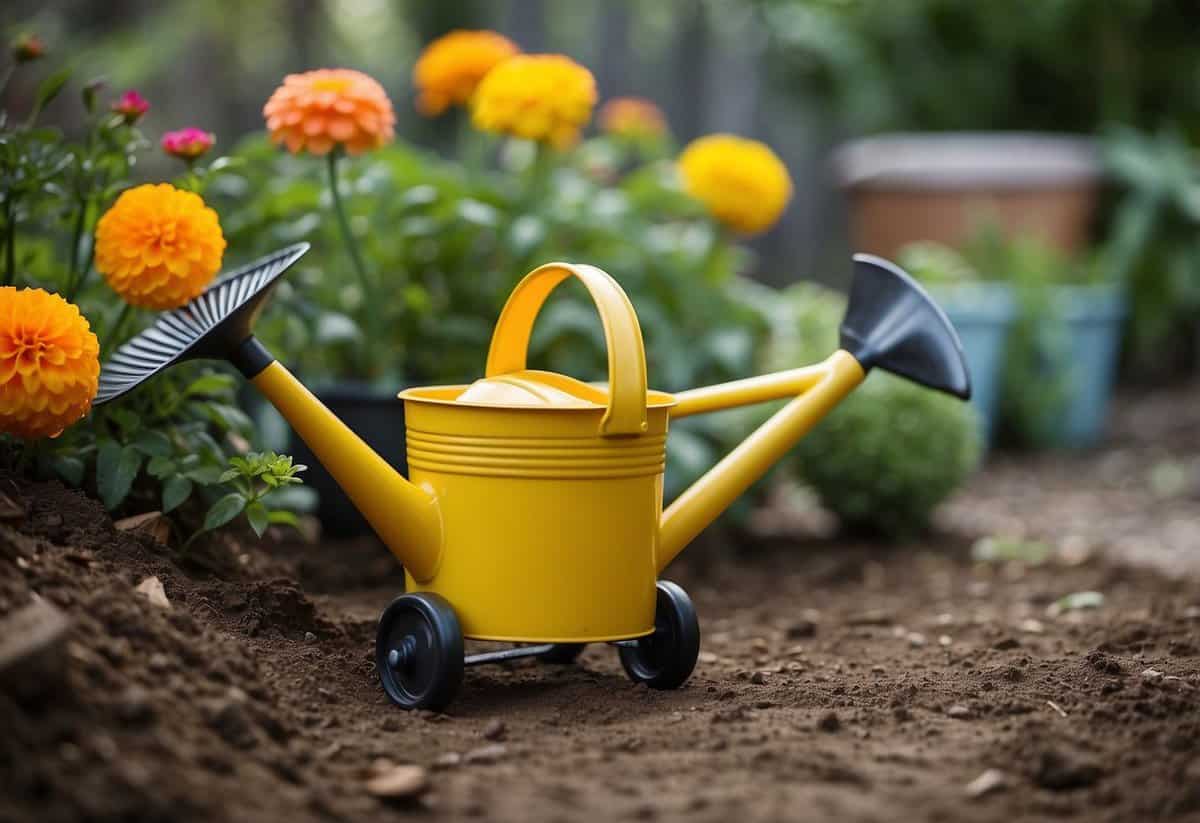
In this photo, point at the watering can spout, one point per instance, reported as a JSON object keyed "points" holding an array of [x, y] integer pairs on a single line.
{"points": [[219, 325], [891, 323], [405, 517]]}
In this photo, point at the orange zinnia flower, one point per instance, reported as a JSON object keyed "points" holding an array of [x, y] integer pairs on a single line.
{"points": [[632, 117], [158, 246], [49, 363], [318, 110], [450, 68]]}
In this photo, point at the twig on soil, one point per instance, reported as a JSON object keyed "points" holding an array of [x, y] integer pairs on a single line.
{"points": [[1056, 707]]}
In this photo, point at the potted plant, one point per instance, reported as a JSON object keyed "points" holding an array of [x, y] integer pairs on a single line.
{"points": [[982, 312], [905, 188], [1061, 360]]}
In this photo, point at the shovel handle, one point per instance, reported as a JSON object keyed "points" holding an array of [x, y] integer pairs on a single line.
{"points": [[626, 414]]}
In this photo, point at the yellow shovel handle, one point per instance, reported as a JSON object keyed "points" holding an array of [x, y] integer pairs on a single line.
{"points": [[626, 413]]}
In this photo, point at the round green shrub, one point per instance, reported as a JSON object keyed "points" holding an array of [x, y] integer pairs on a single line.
{"points": [[893, 450]]}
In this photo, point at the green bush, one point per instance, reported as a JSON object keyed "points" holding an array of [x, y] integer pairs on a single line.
{"points": [[884, 458]]}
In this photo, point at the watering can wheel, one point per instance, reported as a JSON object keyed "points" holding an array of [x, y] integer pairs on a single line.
{"points": [[419, 651], [665, 659]]}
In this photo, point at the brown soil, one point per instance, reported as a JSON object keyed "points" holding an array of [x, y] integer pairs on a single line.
{"points": [[835, 680]]}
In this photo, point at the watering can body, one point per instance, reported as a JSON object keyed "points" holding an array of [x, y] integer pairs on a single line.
{"points": [[550, 531]]}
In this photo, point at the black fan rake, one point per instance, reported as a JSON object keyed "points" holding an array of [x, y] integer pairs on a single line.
{"points": [[216, 325]]}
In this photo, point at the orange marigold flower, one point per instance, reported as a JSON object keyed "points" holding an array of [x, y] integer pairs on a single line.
{"points": [[158, 246], [450, 68], [544, 97], [633, 117], [742, 182], [49, 363], [318, 110]]}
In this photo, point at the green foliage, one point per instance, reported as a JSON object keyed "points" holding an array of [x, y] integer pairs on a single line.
{"points": [[1054, 65], [254, 478], [166, 445], [884, 458], [1153, 248], [445, 242]]}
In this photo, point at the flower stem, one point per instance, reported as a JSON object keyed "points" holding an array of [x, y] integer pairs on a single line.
{"points": [[10, 241], [355, 258], [111, 338], [75, 277]]}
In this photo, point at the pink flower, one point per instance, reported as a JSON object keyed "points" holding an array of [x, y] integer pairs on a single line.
{"points": [[187, 144], [28, 47], [131, 106]]}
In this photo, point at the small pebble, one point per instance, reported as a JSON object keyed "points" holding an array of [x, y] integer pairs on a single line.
{"points": [[152, 589], [400, 782], [916, 639], [309, 637], [958, 711], [989, 781], [447, 760], [758, 678], [486, 754], [494, 730]]}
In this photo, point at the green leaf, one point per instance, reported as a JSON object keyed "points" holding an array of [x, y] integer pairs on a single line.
{"points": [[204, 475], [210, 384], [280, 517], [258, 516], [175, 491], [153, 443], [49, 89], [224, 510], [230, 417], [116, 468], [228, 475], [160, 467], [69, 469]]}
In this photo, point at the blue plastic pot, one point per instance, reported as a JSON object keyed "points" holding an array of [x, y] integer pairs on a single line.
{"points": [[1092, 318], [982, 313]]}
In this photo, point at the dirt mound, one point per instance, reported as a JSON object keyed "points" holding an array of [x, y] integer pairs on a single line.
{"points": [[833, 679]]}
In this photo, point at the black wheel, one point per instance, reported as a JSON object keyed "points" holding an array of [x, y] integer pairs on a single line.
{"points": [[563, 653], [665, 659], [419, 651]]}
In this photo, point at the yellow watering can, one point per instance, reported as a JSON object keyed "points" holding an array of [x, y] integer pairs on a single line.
{"points": [[533, 511]]}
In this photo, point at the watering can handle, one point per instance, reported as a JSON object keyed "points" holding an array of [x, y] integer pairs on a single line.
{"points": [[626, 413]]}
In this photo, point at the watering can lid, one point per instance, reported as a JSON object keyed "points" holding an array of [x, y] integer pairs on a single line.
{"points": [[534, 388]]}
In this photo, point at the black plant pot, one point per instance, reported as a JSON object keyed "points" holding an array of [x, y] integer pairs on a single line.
{"points": [[375, 415]]}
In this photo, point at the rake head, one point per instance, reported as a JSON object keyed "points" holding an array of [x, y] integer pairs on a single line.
{"points": [[211, 326]]}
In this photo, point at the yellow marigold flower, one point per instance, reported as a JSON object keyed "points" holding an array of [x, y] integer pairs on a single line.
{"points": [[632, 117], [49, 363], [544, 97], [318, 110], [450, 68], [158, 246], [742, 182]]}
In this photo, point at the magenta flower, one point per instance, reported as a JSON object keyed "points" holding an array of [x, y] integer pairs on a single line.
{"points": [[28, 47], [187, 144], [131, 106]]}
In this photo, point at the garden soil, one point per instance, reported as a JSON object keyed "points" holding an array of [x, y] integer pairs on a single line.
{"points": [[836, 680]]}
